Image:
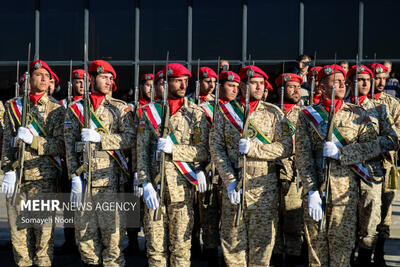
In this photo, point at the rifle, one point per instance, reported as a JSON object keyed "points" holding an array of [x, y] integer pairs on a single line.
{"points": [[314, 73], [152, 86], [69, 96], [17, 81], [212, 172], [356, 100], [197, 91], [242, 182], [160, 179], [136, 97], [373, 82], [327, 161], [19, 165], [283, 88], [87, 151]]}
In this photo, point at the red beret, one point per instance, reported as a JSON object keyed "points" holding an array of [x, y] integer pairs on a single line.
{"points": [[177, 70], [37, 64], [330, 69], [313, 71], [206, 72], [55, 77], [288, 77], [361, 69], [257, 72], [114, 86], [101, 66], [159, 75], [269, 86], [377, 68], [146, 77], [78, 74], [229, 76]]}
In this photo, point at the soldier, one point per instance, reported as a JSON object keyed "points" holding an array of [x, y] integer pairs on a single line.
{"points": [[369, 206], [169, 239], [229, 89], [388, 194], [317, 91], [290, 236], [146, 82], [268, 88], [207, 79], [33, 244], [250, 243], [354, 140], [77, 86], [159, 85], [98, 232]]}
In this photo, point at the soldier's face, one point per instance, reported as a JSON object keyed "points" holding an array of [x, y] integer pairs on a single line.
{"points": [[389, 67], [363, 84], [177, 87], [229, 91], [39, 81], [380, 81], [207, 85], [103, 83], [224, 65], [340, 86], [265, 95], [159, 89], [256, 86], [77, 85], [145, 89], [52, 85], [292, 92]]}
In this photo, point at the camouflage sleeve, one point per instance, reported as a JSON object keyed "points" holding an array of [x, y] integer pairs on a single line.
{"points": [[124, 138], [366, 148], [144, 157], [304, 156], [281, 146], [219, 152], [53, 144], [198, 152], [387, 138], [395, 114], [8, 135], [72, 134]]}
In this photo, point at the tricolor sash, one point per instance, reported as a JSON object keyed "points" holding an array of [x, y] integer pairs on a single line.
{"points": [[153, 114], [209, 111], [318, 118], [95, 123], [233, 112], [34, 127]]}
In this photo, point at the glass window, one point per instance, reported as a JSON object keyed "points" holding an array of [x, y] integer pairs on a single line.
{"points": [[273, 28], [18, 29], [331, 27], [217, 29], [163, 27], [381, 23], [61, 29], [111, 29]]}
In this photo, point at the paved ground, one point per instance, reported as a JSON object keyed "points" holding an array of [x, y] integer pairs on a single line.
{"points": [[392, 247]]}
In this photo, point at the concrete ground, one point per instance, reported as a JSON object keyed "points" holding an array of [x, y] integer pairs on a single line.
{"points": [[392, 247]]}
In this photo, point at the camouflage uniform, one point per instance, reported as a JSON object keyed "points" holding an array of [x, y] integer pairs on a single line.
{"points": [[34, 245], [388, 195], [170, 237], [333, 248], [252, 242], [99, 233], [370, 198], [291, 226]]}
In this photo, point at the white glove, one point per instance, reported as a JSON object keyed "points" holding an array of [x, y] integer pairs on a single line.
{"points": [[165, 144], [137, 190], [202, 182], [76, 190], [244, 146], [150, 196], [25, 135], [330, 150], [8, 185], [90, 135], [233, 195], [315, 205]]}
